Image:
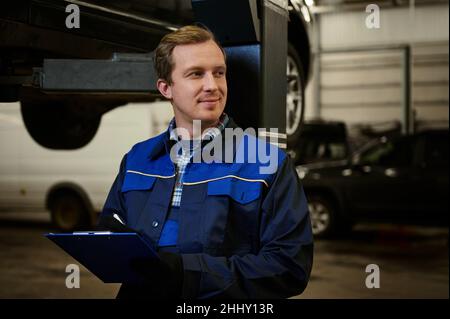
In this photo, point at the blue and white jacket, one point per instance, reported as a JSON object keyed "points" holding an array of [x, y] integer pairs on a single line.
{"points": [[242, 233]]}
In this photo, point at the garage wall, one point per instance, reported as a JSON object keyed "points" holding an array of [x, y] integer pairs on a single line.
{"points": [[397, 25], [365, 87]]}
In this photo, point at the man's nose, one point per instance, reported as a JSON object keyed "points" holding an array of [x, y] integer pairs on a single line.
{"points": [[210, 83]]}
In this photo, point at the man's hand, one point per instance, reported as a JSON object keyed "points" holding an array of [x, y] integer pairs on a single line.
{"points": [[109, 223], [164, 273]]}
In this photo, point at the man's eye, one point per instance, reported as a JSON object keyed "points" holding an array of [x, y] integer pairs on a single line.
{"points": [[196, 74], [220, 73]]}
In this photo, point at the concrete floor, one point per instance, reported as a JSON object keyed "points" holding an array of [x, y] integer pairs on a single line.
{"points": [[413, 263]]}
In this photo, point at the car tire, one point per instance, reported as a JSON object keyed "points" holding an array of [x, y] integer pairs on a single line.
{"points": [[60, 124], [323, 216], [295, 96], [68, 212], [325, 219]]}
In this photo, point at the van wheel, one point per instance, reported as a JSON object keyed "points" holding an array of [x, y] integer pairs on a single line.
{"points": [[68, 212]]}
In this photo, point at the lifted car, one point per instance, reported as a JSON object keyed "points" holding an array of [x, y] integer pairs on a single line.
{"points": [[34, 30]]}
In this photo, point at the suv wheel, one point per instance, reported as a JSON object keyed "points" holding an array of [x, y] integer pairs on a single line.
{"points": [[322, 216]]}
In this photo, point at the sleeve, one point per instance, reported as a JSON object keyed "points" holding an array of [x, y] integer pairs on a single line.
{"points": [[283, 265], [115, 202], [166, 273]]}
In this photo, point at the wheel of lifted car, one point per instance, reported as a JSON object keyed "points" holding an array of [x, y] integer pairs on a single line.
{"points": [[295, 101], [60, 124], [322, 215], [68, 212]]}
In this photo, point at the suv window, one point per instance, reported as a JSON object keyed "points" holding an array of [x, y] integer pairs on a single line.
{"points": [[323, 150], [390, 153], [321, 142]]}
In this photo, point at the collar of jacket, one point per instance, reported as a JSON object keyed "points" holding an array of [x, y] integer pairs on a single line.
{"points": [[163, 143]]}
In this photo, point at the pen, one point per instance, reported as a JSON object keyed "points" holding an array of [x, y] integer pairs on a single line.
{"points": [[118, 218]]}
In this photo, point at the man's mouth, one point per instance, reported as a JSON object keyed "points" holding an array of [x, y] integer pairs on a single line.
{"points": [[209, 100]]}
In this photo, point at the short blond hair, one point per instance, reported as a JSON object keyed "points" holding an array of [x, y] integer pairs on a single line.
{"points": [[190, 34]]}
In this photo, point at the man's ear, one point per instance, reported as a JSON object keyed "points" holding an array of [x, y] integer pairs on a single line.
{"points": [[164, 88]]}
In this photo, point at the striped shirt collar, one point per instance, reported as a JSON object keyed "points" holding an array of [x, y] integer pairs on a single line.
{"points": [[209, 134]]}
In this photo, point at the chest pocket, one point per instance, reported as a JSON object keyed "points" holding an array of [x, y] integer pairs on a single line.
{"points": [[136, 189], [231, 222], [240, 191], [136, 182]]}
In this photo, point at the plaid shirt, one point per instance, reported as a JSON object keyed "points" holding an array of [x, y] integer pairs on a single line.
{"points": [[186, 153]]}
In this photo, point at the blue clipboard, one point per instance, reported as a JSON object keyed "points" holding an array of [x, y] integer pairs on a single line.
{"points": [[107, 255]]}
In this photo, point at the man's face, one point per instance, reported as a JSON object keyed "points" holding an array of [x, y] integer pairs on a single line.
{"points": [[199, 87]]}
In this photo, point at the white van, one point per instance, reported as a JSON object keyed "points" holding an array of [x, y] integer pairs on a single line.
{"points": [[71, 184]]}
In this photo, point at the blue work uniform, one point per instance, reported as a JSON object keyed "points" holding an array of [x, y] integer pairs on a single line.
{"points": [[241, 232]]}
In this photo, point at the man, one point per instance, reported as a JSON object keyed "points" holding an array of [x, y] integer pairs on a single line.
{"points": [[222, 228]]}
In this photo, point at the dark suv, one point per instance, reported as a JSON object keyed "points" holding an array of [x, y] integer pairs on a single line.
{"points": [[401, 179]]}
